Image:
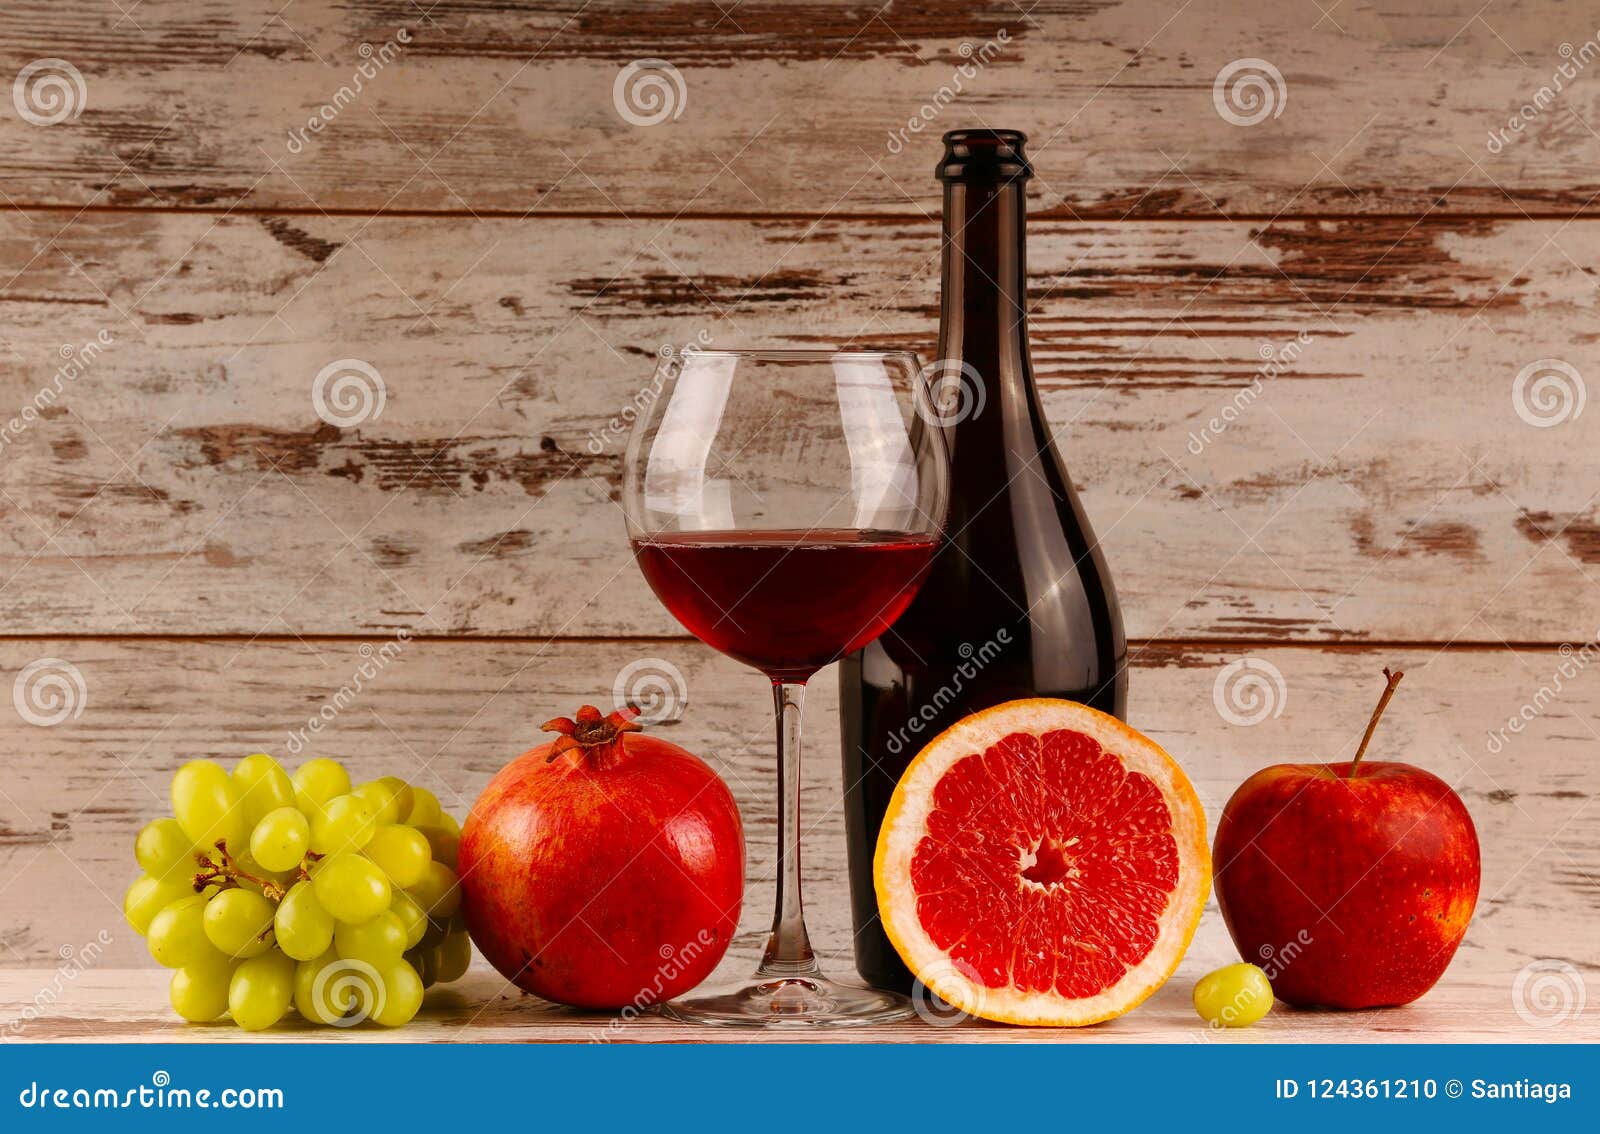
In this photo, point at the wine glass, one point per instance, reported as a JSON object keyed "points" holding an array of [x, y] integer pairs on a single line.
{"points": [[783, 505]]}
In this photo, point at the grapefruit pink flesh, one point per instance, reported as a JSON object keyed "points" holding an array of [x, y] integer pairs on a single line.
{"points": [[1042, 863]]}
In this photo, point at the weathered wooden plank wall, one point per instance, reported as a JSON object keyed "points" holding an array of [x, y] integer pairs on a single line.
{"points": [[453, 712], [1387, 454], [483, 227], [791, 107]]}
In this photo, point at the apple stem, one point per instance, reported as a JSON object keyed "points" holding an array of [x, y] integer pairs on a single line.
{"points": [[1372, 725]]}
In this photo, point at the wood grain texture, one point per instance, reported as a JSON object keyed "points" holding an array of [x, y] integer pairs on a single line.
{"points": [[185, 483], [449, 714], [122, 1006], [176, 268], [808, 107]]}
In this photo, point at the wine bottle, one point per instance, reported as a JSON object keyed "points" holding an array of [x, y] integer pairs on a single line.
{"points": [[1017, 602]]}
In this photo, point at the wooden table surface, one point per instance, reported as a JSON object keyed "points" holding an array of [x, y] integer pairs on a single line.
{"points": [[129, 1006], [203, 560]]}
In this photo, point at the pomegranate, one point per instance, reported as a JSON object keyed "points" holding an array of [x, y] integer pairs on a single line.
{"points": [[605, 868]]}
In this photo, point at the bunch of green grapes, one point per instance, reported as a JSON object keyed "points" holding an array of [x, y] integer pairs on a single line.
{"points": [[267, 892]]}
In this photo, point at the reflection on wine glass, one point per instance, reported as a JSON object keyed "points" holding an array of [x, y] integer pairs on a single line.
{"points": [[784, 505]]}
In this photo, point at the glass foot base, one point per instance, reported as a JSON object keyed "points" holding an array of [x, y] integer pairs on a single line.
{"points": [[809, 1001]]}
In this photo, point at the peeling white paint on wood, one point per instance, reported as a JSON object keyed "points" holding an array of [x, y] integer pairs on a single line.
{"points": [[185, 482]]}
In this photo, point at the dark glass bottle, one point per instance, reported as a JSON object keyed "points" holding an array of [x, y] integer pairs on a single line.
{"points": [[1018, 603]]}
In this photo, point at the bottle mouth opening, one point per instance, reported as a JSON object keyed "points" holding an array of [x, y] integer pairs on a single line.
{"points": [[985, 138], [984, 156]]}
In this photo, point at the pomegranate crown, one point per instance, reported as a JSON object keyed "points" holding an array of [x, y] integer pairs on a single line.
{"points": [[589, 729]]}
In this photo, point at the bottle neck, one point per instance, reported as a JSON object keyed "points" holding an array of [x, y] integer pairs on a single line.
{"points": [[983, 316]]}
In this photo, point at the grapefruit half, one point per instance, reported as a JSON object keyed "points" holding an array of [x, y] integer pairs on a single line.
{"points": [[1042, 863]]}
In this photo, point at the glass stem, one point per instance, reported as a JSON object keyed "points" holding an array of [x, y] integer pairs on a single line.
{"points": [[788, 948]]}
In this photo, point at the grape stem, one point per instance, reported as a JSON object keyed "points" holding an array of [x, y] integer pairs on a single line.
{"points": [[228, 873], [304, 869]]}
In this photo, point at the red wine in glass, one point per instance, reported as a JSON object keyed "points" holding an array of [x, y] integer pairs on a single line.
{"points": [[785, 602], [784, 505]]}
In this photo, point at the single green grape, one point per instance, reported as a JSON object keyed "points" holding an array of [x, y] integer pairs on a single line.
{"points": [[313, 811], [433, 936], [264, 786], [402, 852], [437, 892], [261, 991], [207, 804], [424, 961], [455, 955], [448, 822], [199, 991], [303, 928], [402, 995], [149, 896], [162, 848], [443, 844], [383, 797], [324, 1001], [351, 887], [317, 781], [1235, 996], [404, 797], [239, 922], [377, 941], [365, 983], [345, 823], [411, 915], [425, 810], [177, 935], [281, 839]]}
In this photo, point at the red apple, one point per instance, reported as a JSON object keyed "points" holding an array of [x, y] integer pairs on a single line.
{"points": [[1351, 883]]}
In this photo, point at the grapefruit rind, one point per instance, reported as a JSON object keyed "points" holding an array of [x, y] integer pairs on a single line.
{"points": [[905, 824]]}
